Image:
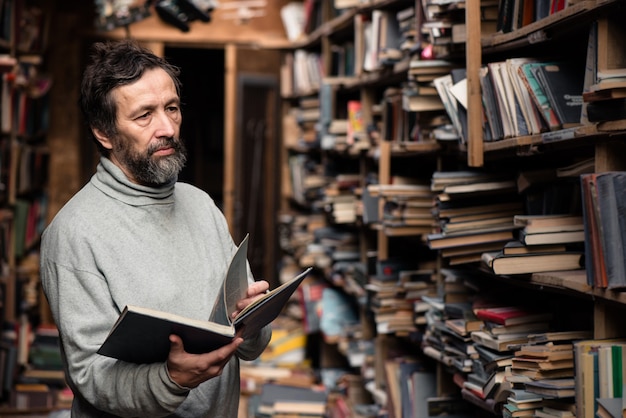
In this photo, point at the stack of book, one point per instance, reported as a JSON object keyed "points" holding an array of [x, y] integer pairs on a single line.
{"points": [[475, 211], [276, 399], [557, 408], [451, 323], [488, 373], [544, 361], [433, 340], [515, 258], [506, 333], [418, 284], [546, 243], [407, 207], [520, 403], [460, 318], [307, 179], [550, 229], [342, 208], [539, 379], [396, 291]]}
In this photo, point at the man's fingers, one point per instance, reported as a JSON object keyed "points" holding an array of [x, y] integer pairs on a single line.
{"points": [[258, 287]]}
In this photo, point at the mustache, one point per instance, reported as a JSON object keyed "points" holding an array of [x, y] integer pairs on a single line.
{"points": [[174, 143]]}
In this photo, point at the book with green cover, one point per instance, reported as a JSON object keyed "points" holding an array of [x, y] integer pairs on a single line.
{"points": [[141, 335]]}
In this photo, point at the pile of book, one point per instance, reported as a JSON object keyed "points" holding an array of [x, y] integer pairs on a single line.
{"points": [[288, 399], [507, 327], [450, 323], [419, 94], [475, 211], [407, 206], [396, 294], [443, 30], [546, 243]]}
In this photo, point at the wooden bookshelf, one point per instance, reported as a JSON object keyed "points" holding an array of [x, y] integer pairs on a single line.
{"points": [[603, 141]]}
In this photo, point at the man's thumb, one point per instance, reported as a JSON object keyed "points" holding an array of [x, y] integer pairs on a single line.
{"points": [[176, 344]]}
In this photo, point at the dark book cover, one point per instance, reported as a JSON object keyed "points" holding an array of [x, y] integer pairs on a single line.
{"points": [[490, 105], [564, 88], [542, 9], [612, 237], [620, 184], [505, 16], [596, 271]]}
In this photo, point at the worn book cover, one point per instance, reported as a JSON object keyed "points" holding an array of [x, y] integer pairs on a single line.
{"points": [[509, 315], [564, 88], [141, 335]]}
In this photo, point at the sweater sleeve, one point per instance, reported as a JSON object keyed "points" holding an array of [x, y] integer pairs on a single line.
{"points": [[253, 347], [109, 385]]}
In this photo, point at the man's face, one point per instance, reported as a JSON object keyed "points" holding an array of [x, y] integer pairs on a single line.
{"points": [[147, 146]]}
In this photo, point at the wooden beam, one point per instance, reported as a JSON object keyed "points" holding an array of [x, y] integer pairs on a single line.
{"points": [[230, 110], [473, 58], [384, 177], [158, 48]]}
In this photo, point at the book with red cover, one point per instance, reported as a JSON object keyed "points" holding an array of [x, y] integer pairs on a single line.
{"points": [[510, 315]]}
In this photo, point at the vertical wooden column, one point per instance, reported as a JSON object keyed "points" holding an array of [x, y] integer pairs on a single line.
{"points": [[230, 110], [473, 59], [158, 48], [384, 177]]}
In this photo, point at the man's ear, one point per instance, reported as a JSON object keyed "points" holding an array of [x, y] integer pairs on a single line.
{"points": [[102, 138]]}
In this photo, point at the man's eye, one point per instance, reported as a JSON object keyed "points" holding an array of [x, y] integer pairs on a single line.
{"points": [[173, 108], [144, 116]]}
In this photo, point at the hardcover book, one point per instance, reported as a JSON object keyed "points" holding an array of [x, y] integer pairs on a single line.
{"points": [[509, 315], [535, 262], [141, 335], [564, 87]]}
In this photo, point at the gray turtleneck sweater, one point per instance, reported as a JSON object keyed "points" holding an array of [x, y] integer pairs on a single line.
{"points": [[114, 244]]}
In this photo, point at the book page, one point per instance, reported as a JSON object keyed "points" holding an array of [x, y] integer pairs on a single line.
{"points": [[234, 286]]}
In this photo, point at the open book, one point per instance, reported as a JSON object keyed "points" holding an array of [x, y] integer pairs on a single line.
{"points": [[141, 335]]}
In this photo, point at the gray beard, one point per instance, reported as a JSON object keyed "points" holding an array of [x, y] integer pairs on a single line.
{"points": [[151, 171]]}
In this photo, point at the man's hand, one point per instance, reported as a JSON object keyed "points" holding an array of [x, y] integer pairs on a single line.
{"points": [[255, 291], [189, 370]]}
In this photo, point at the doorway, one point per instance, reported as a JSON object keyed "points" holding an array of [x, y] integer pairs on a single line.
{"points": [[202, 104]]}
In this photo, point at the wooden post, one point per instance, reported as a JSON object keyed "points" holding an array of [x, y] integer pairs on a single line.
{"points": [[230, 109], [384, 177], [473, 59]]}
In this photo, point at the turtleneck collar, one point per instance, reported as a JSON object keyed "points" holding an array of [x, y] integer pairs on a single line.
{"points": [[112, 181]]}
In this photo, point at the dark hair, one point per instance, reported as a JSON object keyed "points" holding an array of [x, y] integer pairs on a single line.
{"points": [[114, 64]]}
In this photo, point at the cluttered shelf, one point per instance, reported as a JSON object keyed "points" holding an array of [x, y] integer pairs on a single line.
{"points": [[544, 29], [568, 136]]}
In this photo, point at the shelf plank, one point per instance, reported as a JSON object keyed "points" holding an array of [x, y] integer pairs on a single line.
{"points": [[576, 280]]}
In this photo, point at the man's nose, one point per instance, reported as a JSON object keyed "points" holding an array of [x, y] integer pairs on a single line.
{"points": [[166, 125]]}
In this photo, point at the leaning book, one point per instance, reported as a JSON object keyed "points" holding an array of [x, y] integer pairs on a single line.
{"points": [[141, 335]]}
